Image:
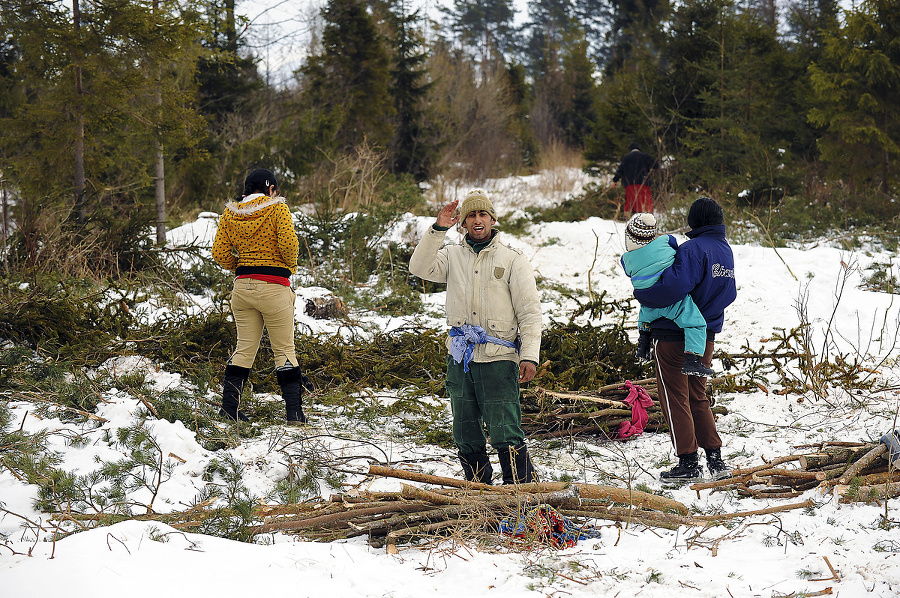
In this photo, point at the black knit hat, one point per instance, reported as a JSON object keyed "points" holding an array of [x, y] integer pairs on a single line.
{"points": [[259, 181], [705, 212]]}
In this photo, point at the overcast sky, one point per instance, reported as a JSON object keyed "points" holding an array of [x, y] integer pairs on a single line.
{"points": [[278, 31]]}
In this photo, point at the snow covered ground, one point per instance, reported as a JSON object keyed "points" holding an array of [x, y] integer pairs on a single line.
{"points": [[770, 556]]}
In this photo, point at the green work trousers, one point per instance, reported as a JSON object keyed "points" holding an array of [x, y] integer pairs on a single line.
{"points": [[487, 394]]}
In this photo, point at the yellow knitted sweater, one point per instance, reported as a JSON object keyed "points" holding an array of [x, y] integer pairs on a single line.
{"points": [[257, 231]]}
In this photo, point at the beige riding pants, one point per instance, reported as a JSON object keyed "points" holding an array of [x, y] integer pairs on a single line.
{"points": [[258, 305]]}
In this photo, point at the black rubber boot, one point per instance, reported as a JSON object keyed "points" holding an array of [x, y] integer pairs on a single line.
{"points": [[232, 386], [718, 469], [694, 367], [516, 465], [687, 470], [292, 381], [477, 467], [643, 346]]}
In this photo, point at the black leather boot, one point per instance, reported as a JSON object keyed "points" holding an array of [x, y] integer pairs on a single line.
{"points": [[232, 386], [687, 470], [477, 467], [516, 465], [292, 381], [694, 367], [643, 346], [718, 469]]}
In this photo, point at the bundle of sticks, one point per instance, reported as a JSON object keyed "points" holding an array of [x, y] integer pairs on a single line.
{"points": [[454, 505], [852, 471], [552, 414]]}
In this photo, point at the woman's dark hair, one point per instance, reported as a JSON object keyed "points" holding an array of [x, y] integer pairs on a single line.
{"points": [[705, 212], [259, 181]]}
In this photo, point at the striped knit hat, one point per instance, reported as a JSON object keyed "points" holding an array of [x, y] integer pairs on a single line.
{"points": [[639, 231]]}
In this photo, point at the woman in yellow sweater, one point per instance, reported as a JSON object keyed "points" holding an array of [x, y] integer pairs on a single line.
{"points": [[256, 240]]}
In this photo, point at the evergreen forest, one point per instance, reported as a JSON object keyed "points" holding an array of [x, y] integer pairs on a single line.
{"points": [[122, 119], [117, 114]]}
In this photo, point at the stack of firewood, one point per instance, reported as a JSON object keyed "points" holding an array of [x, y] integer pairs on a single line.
{"points": [[552, 414], [852, 471], [457, 506]]}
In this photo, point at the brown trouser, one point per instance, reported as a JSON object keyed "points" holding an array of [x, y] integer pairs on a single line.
{"points": [[257, 304], [683, 399]]}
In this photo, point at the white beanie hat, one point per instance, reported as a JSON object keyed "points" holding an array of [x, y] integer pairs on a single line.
{"points": [[639, 231]]}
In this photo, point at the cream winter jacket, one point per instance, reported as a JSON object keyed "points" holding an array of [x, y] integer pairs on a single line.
{"points": [[494, 289]]}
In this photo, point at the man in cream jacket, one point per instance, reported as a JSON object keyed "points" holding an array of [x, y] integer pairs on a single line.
{"points": [[494, 312]]}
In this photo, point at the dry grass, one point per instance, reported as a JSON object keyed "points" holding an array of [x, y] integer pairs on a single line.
{"points": [[347, 182], [559, 169]]}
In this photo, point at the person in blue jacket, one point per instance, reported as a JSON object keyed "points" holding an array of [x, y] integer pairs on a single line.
{"points": [[704, 270], [646, 256]]}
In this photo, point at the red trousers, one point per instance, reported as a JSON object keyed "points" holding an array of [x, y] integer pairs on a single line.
{"points": [[638, 199], [683, 399]]}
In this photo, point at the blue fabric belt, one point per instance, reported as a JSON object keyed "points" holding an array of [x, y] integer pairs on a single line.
{"points": [[465, 337]]}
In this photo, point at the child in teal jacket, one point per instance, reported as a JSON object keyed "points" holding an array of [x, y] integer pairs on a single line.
{"points": [[646, 256]]}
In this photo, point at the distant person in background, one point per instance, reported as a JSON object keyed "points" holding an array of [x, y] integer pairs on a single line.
{"points": [[633, 170], [704, 270], [256, 240]]}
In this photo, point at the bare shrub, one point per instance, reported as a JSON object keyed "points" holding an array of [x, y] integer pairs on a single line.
{"points": [[348, 181], [835, 365], [559, 168], [242, 139], [472, 116], [114, 240]]}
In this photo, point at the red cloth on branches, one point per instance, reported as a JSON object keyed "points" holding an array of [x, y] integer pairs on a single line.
{"points": [[639, 401]]}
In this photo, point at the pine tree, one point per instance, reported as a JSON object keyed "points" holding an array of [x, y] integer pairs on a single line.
{"points": [[630, 105], [691, 43], [486, 28], [551, 23], [627, 112], [348, 84], [107, 83], [409, 150], [594, 17], [520, 97], [856, 85], [808, 20], [731, 81], [577, 113], [226, 72], [632, 24], [551, 27]]}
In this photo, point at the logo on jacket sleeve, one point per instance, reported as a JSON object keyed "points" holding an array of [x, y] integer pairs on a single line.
{"points": [[719, 271]]}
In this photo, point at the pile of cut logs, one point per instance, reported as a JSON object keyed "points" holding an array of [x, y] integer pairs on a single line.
{"points": [[852, 471], [552, 414], [454, 505]]}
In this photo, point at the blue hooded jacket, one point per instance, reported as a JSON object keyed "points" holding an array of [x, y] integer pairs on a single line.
{"points": [[704, 269]]}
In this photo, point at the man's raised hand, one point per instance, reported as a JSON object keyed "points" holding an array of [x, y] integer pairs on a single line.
{"points": [[445, 217]]}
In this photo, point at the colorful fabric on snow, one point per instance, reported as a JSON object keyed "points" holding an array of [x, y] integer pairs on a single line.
{"points": [[544, 524], [640, 401]]}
